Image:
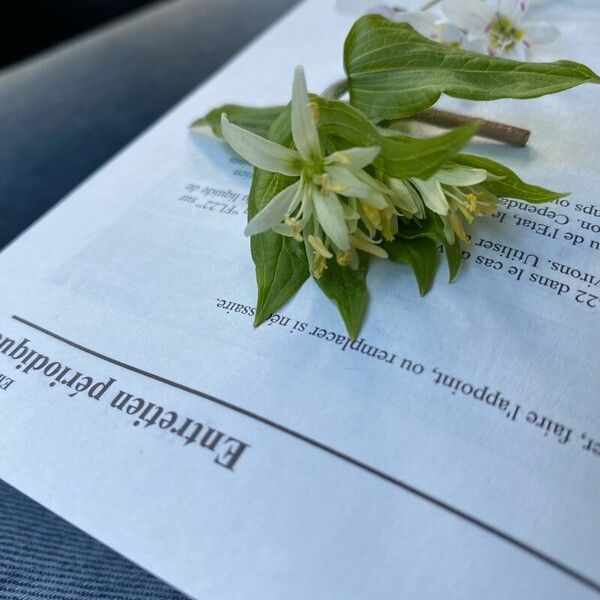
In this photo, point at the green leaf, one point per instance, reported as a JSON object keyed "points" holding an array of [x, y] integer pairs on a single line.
{"points": [[400, 156], [418, 252], [423, 157], [432, 228], [510, 185], [453, 257], [256, 120], [393, 72], [281, 264], [348, 289]]}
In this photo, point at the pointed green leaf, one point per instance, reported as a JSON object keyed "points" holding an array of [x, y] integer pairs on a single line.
{"points": [[338, 119], [431, 226], [393, 72], [281, 264], [420, 253], [281, 269], [400, 156], [257, 120], [453, 257], [508, 184], [423, 157], [348, 289]]}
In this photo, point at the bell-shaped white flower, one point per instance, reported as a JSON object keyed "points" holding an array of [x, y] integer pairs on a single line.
{"points": [[453, 193], [435, 196], [498, 27]]}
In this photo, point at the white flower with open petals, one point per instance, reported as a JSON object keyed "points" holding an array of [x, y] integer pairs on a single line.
{"points": [[498, 28], [320, 207], [425, 23]]}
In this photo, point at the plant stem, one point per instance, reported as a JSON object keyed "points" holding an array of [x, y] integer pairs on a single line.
{"points": [[501, 132], [335, 90], [429, 4]]}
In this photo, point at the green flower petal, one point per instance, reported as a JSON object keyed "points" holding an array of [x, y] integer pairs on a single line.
{"points": [[330, 215], [273, 212], [304, 129], [461, 176], [406, 198], [260, 152], [357, 158], [433, 195], [356, 185]]}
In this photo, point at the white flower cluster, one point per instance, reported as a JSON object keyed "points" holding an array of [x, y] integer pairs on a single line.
{"points": [[494, 27]]}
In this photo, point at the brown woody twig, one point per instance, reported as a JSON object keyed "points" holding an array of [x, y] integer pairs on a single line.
{"points": [[501, 132]]}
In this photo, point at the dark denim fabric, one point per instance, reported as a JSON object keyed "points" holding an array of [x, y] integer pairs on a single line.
{"points": [[61, 116], [44, 558]]}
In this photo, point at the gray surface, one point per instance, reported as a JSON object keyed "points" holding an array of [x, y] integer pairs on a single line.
{"points": [[61, 116], [64, 114]]}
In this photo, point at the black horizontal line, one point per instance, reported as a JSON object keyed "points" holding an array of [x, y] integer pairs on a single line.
{"points": [[552, 562]]}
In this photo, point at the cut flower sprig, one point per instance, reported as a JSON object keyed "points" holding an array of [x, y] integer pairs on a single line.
{"points": [[332, 194], [335, 183], [335, 207]]}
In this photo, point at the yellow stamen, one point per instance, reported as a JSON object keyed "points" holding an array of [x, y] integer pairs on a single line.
{"points": [[343, 258], [328, 186], [341, 158], [472, 200], [319, 266], [457, 227], [294, 226], [366, 246], [388, 223], [487, 203], [503, 33], [319, 247], [372, 214]]}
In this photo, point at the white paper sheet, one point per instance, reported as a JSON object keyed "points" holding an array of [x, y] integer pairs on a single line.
{"points": [[453, 451]]}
